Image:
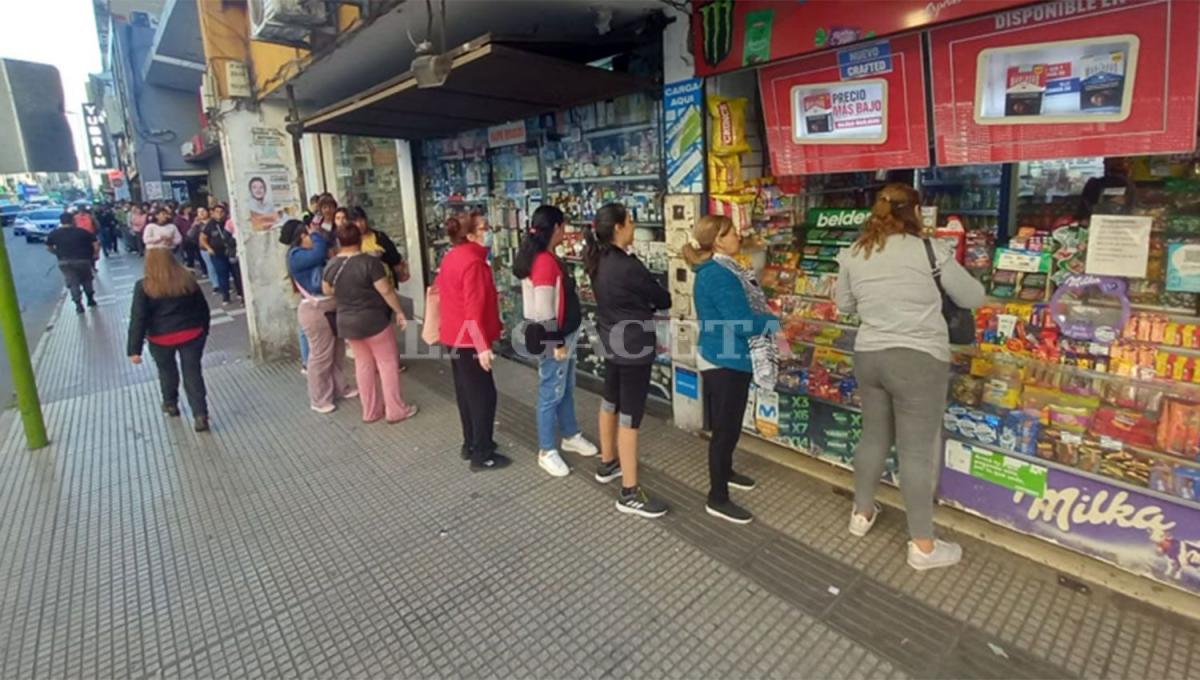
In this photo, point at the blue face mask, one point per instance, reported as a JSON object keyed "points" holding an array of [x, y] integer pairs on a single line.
{"points": [[488, 239]]}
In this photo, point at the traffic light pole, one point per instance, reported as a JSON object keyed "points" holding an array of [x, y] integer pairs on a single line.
{"points": [[18, 355]]}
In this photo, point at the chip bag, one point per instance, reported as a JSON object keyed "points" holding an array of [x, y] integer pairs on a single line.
{"points": [[724, 174], [728, 125]]}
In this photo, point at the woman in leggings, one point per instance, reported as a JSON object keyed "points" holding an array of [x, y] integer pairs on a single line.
{"points": [[627, 297], [902, 362], [732, 310]]}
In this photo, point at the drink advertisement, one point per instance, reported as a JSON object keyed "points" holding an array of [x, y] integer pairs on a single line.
{"points": [[1146, 533]]}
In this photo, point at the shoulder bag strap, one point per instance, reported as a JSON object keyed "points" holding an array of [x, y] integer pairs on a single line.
{"points": [[933, 266]]}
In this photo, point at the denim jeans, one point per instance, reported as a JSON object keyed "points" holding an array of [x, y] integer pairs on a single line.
{"points": [[556, 398]]}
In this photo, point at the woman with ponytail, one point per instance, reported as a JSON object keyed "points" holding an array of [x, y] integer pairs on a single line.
{"points": [[627, 297], [552, 320], [902, 362], [732, 310]]}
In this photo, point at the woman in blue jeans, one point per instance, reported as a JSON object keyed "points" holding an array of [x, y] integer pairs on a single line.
{"points": [[553, 317]]}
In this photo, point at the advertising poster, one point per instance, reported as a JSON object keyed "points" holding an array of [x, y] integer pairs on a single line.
{"points": [[1066, 79], [153, 191], [120, 187], [268, 146], [683, 120], [840, 113], [1140, 532], [1183, 267], [1119, 245], [271, 200], [856, 110], [757, 43]]}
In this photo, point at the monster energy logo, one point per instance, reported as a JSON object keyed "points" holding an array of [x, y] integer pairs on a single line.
{"points": [[716, 26]]}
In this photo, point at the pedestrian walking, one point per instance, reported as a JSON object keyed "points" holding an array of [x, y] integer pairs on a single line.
{"points": [[170, 312], [221, 247], [731, 310], [627, 297], [76, 249], [138, 217], [193, 254], [162, 232], [468, 326], [84, 220], [316, 315], [901, 362], [368, 313], [109, 230], [553, 317]]}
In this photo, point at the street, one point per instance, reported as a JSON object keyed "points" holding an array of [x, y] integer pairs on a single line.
{"points": [[39, 286]]}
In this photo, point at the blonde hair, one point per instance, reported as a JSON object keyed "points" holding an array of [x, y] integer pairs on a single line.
{"points": [[894, 212], [704, 235], [165, 277]]}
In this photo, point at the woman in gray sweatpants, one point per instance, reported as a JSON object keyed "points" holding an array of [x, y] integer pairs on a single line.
{"points": [[902, 363]]}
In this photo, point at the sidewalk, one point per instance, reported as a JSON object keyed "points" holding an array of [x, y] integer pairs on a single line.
{"points": [[285, 543]]}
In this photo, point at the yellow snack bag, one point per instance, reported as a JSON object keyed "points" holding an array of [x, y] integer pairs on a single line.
{"points": [[728, 125], [724, 174]]}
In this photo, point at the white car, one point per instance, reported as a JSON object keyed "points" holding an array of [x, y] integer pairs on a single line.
{"points": [[36, 225]]}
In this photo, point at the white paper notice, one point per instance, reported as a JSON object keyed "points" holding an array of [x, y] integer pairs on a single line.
{"points": [[1118, 245]]}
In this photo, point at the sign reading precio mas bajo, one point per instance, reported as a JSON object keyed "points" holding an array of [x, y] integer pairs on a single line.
{"points": [[840, 113]]}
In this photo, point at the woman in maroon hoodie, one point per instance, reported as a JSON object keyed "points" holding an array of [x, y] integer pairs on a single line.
{"points": [[470, 323]]}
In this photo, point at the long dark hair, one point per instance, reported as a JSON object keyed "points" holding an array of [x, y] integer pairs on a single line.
{"points": [[600, 238], [542, 226]]}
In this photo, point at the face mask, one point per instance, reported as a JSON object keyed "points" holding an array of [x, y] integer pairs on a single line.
{"points": [[488, 239]]}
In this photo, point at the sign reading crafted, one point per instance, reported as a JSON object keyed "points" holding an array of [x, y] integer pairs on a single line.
{"points": [[96, 127]]}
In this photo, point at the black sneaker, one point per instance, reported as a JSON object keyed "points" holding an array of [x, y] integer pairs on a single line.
{"points": [[740, 481], [465, 453], [91, 302], [606, 472], [495, 462], [641, 504], [201, 424], [78, 308], [729, 512], [171, 410]]}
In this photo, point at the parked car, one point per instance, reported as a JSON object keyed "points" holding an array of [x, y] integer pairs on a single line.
{"points": [[36, 225], [9, 212]]}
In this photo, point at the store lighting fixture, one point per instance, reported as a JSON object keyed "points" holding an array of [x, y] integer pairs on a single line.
{"points": [[429, 69]]}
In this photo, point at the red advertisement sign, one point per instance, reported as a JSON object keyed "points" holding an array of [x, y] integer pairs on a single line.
{"points": [[818, 120], [729, 35], [1067, 79]]}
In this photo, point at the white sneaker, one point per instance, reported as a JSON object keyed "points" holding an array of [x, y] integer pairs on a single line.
{"points": [[553, 463], [945, 554], [578, 444], [859, 525], [324, 409], [350, 393]]}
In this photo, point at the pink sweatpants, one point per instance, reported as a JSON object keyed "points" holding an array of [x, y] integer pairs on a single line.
{"points": [[326, 352], [377, 367]]}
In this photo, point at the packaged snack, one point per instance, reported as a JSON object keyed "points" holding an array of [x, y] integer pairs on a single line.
{"points": [[1130, 427], [966, 389], [1179, 428], [728, 125], [1069, 418], [724, 174], [1019, 432], [1186, 483]]}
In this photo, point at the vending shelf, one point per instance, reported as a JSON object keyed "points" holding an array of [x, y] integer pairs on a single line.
{"points": [[618, 130], [972, 212], [1076, 471]]}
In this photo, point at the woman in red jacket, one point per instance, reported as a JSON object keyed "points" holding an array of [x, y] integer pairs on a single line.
{"points": [[470, 323]]}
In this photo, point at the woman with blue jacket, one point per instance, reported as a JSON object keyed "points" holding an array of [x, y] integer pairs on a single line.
{"points": [[306, 263], [731, 309]]}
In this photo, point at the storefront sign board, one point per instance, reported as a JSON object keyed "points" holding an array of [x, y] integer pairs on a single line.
{"points": [[1067, 79], [507, 134], [817, 122], [1141, 532], [729, 35], [1119, 245], [865, 61], [683, 120]]}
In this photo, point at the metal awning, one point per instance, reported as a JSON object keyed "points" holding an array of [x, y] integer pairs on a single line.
{"points": [[490, 83]]}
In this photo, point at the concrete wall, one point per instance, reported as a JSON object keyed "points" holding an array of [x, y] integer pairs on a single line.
{"points": [[218, 187], [270, 302]]}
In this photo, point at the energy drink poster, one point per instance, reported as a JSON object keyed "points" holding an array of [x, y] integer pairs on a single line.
{"points": [[1088, 80], [840, 113], [1067, 79], [683, 120]]}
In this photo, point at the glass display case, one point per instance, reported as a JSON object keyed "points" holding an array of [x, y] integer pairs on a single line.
{"points": [[368, 175]]}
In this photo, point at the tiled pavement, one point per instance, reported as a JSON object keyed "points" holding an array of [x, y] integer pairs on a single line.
{"points": [[290, 544]]}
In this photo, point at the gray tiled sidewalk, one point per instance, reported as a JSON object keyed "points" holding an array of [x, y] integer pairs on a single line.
{"points": [[286, 543]]}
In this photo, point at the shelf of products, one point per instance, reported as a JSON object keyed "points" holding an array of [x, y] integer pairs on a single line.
{"points": [[455, 176], [368, 176]]}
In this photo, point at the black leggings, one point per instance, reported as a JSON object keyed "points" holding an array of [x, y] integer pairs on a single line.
{"points": [[725, 395], [193, 379], [625, 391], [475, 391]]}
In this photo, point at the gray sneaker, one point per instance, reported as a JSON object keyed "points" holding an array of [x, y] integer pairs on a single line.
{"points": [[945, 554]]}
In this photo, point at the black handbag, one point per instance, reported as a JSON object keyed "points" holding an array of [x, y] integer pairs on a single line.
{"points": [[960, 322]]}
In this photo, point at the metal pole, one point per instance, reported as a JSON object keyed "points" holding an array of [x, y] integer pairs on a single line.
{"points": [[18, 355], [296, 129]]}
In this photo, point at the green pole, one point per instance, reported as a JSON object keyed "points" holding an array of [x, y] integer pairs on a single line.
{"points": [[18, 355]]}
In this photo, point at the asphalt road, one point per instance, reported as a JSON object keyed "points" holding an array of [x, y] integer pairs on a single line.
{"points": [[39, 286]]}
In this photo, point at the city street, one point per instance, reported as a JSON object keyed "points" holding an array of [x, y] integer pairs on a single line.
{"points": [[39, 288]]}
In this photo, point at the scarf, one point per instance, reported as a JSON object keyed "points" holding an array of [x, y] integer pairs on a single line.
{"points": [[754, 292]]}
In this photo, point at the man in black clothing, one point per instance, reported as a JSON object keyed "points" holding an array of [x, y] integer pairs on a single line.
{"points": [[76, 250]]}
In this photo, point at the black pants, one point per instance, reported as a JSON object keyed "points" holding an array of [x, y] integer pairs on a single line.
{"points": [[475, 391], [191, 256], [725, 393], [193, 379], [77, 275]]}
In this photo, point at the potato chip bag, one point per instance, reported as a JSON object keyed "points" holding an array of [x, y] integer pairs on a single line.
{"points": [[724, 174], [728, 125]]}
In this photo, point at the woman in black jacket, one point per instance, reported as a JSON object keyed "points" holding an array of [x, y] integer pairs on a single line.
{"points": [[170, 311], [627, 297]]}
